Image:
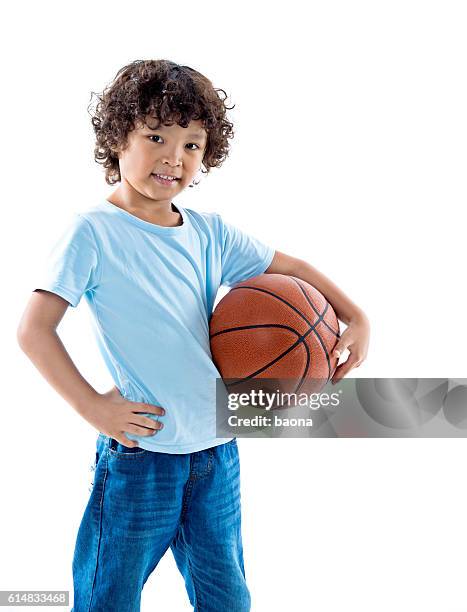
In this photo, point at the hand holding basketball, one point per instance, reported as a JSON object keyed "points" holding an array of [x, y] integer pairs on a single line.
{"points": [[355, 338]]}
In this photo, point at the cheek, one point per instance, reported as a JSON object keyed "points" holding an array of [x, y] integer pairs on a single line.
{"points": [[138, 164], [194, 164]]}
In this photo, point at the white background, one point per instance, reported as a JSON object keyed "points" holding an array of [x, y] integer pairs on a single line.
{"points": [[349, 152]]}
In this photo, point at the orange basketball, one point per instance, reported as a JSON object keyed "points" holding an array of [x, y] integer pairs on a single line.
{"points": [[274, 326]]}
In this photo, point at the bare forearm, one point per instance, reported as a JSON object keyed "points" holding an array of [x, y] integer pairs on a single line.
{"points": [[345, 309], [47, 352]]}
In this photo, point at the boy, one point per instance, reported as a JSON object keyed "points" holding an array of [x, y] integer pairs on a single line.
{"points": [[150, 272]]}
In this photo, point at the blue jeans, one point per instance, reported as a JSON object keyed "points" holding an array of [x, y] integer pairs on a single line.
{"points": [[141, 503]]}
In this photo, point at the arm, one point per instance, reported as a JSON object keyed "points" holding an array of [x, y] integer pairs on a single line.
{"points": [[356, 336], [108, 412], [38, 338], [345, 309]]}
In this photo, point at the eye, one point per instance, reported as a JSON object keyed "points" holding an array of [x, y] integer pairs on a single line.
{"points": [[157, 136]]}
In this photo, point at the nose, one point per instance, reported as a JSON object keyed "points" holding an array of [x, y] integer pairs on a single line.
{"points": [[172, 157]]}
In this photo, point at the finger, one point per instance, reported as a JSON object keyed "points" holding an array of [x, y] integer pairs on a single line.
{"points": [[126, 441], [340, 374], [143, 431], [144, 421], [338, 350], [343, 369], [149, 408]]}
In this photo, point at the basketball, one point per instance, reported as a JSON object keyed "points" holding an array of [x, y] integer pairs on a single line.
{"points": [[275, 326]]}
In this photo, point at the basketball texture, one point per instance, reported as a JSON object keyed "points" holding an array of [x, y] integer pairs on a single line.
{"points": [[274, 326]]}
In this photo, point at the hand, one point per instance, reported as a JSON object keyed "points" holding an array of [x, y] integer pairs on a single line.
{"points": [[114, 415], [356, 338]]}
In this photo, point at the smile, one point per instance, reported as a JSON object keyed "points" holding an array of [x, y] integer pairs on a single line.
{"points": [[163, 179]]}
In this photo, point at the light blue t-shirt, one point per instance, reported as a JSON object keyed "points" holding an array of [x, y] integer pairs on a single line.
{"points": [[151, 291]]}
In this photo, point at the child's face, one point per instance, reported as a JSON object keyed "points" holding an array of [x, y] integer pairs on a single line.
{"points": [[171, 150]]}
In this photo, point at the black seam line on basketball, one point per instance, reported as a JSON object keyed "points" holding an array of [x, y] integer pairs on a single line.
{"points": [[325, 323], [312, 328], [300, 339], [308, 358], [275, 296], [312, 305], [275, 325], [317, 334], [271, 363], [230, 329]]}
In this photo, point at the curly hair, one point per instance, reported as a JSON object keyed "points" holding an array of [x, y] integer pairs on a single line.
{"points": [[164, 90]]}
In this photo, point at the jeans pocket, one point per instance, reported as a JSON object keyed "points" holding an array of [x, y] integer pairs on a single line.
{"points": [[120, 451], [96, 468], [92, 469]]}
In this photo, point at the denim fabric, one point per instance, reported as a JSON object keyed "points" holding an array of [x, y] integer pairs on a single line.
{"points": [[143, 502]]}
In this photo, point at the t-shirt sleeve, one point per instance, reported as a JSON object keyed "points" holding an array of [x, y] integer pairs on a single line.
{"points": [[72, 267], [243, 255]]}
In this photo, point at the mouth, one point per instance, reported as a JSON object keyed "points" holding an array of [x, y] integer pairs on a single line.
{"points": [[162, 179]]}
